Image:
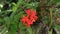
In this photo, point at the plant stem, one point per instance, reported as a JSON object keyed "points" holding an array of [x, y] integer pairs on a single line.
{"points": [[51, 17]]}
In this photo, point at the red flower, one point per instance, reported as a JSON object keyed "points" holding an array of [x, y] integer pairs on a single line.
{"points": [[33, 13], [27, 11], [35, 17], [29, 18], [23, 19], [32, 19]]}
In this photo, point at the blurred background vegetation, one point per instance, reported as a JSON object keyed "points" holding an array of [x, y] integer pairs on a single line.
{"points": [[48, 12]]}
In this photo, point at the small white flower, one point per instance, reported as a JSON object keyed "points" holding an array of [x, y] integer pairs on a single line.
{"points": [[1, 5], [6, 31]]}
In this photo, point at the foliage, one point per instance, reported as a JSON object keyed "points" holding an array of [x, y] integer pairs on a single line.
{"points": [[48, 12]]}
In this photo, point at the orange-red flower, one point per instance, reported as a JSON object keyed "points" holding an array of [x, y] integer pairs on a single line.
{"points": [[29, 18]]}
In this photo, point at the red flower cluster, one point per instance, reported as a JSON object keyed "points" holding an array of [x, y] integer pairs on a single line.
{"points": [[29, 18]]}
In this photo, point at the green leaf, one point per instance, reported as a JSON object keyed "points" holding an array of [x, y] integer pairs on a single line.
{"points": [[50, 32], [13, 28], [57, 28], [57, 0], [7, 21], [14, 8], [30, 30]]}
